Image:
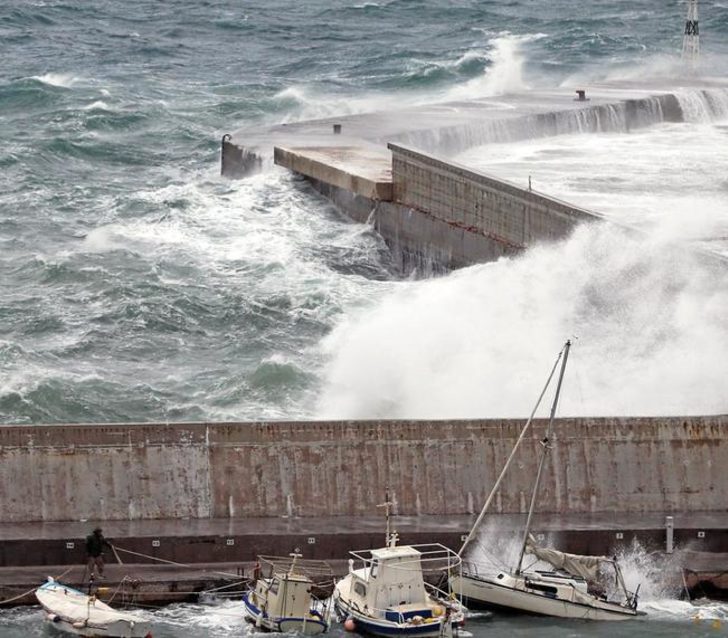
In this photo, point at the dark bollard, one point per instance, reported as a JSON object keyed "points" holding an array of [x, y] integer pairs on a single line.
{"points": [[582, 95], [337, 129]]}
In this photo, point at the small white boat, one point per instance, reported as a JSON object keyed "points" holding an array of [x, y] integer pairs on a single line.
{"points": [[74, 612], [572, 589], [292, 597], [388, 595]]}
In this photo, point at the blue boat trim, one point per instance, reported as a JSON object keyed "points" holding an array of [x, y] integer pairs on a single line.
{"points": [[375, 626]]}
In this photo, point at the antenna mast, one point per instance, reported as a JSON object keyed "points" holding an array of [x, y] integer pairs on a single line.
{"points": [[691, 37]]}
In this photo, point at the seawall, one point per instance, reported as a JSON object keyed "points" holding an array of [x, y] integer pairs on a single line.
{"points": [[311, 469], [394, 169]]}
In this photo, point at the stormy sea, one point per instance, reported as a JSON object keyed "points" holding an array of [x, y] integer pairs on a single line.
{"points": [[139, 285]]}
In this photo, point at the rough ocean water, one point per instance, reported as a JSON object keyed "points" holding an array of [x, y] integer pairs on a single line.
{"points": [[137, 285]]}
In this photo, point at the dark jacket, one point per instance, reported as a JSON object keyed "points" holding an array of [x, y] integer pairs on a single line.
{"points": [[95, 544]]}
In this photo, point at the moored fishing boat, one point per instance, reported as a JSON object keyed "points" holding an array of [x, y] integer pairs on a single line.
{"points": [[292, 596], [572, 587], [389, 596], [74, 612]]}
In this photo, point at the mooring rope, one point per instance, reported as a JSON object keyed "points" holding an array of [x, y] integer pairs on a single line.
{"points": [[171, 562], [30, 591]]}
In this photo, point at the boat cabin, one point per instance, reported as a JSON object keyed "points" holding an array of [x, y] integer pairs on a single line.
{"points": [[284, 595], [392, 585]]}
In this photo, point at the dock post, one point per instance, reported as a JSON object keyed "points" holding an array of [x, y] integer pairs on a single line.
{"points": [[669, 529]]}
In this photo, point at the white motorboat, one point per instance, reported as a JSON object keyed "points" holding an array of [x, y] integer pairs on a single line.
{"points": [[292, 597], [74, 612], [389, 596], [572, 588]]}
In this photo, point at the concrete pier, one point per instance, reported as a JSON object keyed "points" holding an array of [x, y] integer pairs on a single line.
{"points": [[434, 214]]}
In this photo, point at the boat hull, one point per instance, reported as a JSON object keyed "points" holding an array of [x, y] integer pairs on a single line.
{"points": [[381, 627], [311, 626], [114, 630], [73, 612], [488, 593]]}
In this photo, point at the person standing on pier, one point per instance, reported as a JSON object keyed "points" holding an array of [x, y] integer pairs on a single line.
{"points": [[95, 543]]}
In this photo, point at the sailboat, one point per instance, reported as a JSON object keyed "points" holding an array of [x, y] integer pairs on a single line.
{"points": [[571, 588]]}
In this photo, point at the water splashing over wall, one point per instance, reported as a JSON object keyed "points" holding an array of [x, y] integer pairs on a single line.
{"points": [[473, 344], [693, 106]]}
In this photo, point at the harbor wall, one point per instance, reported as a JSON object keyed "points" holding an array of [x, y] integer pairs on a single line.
{"points": [[313, 469], [512, 216]]}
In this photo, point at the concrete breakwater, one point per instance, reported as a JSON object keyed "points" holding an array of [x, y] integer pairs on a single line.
{"points": [[313, 469], [393, 170], [452, 127], [433, 213]]}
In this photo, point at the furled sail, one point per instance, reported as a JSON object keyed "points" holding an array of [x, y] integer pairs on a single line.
{"points": [[585, 566]]}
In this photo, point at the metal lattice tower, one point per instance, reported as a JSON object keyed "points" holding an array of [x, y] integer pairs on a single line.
{"points": [[691, 37]]}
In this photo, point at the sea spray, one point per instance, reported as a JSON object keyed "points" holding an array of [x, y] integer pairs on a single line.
{"points": [[504, 74], [475, 343]]}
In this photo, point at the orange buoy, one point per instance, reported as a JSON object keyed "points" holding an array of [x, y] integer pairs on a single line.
{"points": [[349, 624]]}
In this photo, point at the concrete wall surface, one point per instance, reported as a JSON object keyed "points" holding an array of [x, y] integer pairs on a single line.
{"points": [[229, 470], [417, 241], [465, 198]]}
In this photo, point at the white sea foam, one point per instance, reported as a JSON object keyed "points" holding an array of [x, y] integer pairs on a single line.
{"points": [[65, 80], [681, 196], [99, 105], [218, 618], [478, 342]]}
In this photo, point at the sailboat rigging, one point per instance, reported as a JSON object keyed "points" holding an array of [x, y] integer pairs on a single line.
{"points": [[570, 589]]}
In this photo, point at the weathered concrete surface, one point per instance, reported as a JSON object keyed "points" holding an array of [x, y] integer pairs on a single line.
{"points": [[447, 128], [310, 469], [444, 215], [418, 242], [468, 199], [452, 127], [359, 170]]}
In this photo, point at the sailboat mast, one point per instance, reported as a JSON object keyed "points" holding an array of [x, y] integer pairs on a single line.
{"points": [[544, 452], [494, 489]]}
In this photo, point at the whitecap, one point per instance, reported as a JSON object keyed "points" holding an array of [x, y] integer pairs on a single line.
{"points": [[99, 105], [65, 80]]}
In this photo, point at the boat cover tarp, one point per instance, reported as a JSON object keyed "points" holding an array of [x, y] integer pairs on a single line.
{"points": [[587, 567], [76, 607]]}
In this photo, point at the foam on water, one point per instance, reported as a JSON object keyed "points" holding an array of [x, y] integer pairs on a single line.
{"points": [[603, 172], [64, 80], [218, 618]]}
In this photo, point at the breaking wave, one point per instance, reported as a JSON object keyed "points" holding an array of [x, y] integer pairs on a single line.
{"points": [[476, 343]]}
